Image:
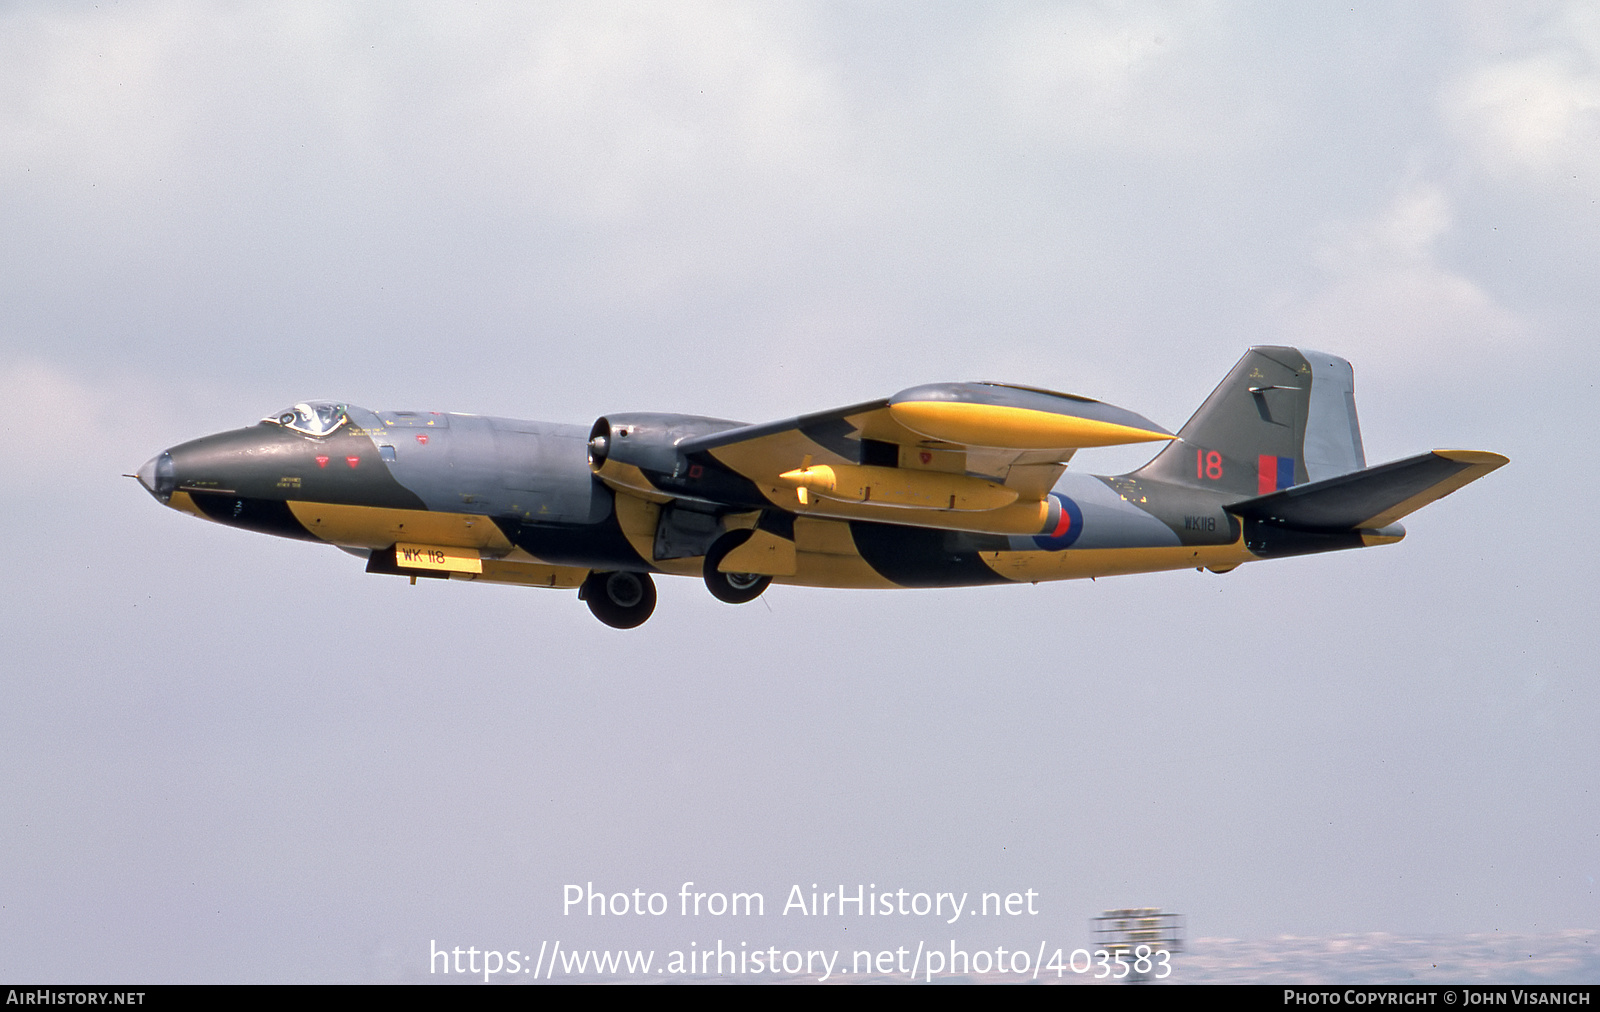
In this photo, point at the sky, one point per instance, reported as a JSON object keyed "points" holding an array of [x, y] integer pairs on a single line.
{"points": [[227, 757]]}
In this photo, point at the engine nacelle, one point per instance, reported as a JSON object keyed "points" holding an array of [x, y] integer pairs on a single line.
{"points": [[625, 450]]}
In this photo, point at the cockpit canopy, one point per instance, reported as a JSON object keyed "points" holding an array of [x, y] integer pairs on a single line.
{"points": [[314, 418]]}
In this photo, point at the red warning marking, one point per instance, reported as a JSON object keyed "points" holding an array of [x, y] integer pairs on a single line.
{"points": [[422, 437], [927, 458], [352, 461], [322, 461], [695, 470]]}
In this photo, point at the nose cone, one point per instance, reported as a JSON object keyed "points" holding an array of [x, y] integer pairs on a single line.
{"points": [[158, 476]]}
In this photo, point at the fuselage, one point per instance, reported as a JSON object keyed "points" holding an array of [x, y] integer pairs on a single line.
{"points": [[524, 494], [940, 485]]}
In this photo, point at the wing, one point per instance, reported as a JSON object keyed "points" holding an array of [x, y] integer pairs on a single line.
{"points": [[989, 451]]}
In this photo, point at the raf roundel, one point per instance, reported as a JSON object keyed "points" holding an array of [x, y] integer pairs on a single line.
{"points": [[1068, 524]]}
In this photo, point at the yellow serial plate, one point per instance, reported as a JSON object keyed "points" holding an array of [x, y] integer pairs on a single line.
{"points": [[454, 560]]}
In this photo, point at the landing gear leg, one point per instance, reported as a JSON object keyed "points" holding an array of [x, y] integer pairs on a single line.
{"points": [[620, 600]]}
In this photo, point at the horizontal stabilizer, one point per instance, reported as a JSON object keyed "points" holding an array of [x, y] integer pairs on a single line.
{"points": [[1373, 497]]}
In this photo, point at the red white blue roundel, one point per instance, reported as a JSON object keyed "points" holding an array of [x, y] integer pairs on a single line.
{"points": [[1065, 524]]}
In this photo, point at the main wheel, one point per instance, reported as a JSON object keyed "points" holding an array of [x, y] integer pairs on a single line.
{"points": [[734, 588], [620, 600]]}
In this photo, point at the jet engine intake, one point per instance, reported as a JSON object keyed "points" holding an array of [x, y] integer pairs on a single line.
{"points": [[622, 446]]}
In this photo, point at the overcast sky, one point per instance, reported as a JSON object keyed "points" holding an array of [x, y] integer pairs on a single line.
{"points": [[230, 757]]}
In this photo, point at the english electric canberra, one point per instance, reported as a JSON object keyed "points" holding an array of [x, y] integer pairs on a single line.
{"points": [[944, 485]]}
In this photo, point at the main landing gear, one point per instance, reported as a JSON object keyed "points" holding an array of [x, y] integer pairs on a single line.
{"points": [[620, 600], [624, 600], [733, 588]]}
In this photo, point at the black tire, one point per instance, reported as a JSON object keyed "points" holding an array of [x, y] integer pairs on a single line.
{"points": [[732, 588], [620, 600]]}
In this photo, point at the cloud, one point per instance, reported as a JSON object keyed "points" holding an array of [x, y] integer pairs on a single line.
{"points": [[84, 96], [43, 401], [580, 110], [68, 427], [1148, 81], [1535, 117], [1385, 288], [609, 112]]}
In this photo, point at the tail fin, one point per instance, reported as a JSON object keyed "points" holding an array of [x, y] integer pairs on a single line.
{"points": [[1283, 417]]}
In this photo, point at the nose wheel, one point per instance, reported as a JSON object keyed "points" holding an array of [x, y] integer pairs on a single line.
{"points": [[733, 588], [620, 600]]}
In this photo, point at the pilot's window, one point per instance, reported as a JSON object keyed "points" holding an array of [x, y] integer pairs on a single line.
{"points": [[314, 418]]}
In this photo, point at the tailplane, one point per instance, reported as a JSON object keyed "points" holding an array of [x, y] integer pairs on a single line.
{"points": [[1373, 498]]}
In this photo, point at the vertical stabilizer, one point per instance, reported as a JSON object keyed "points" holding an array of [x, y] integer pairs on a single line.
{"points": [[1283, 417]]}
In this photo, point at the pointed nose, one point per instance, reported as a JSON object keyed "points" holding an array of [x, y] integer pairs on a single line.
{"points": [[158, 476]]}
